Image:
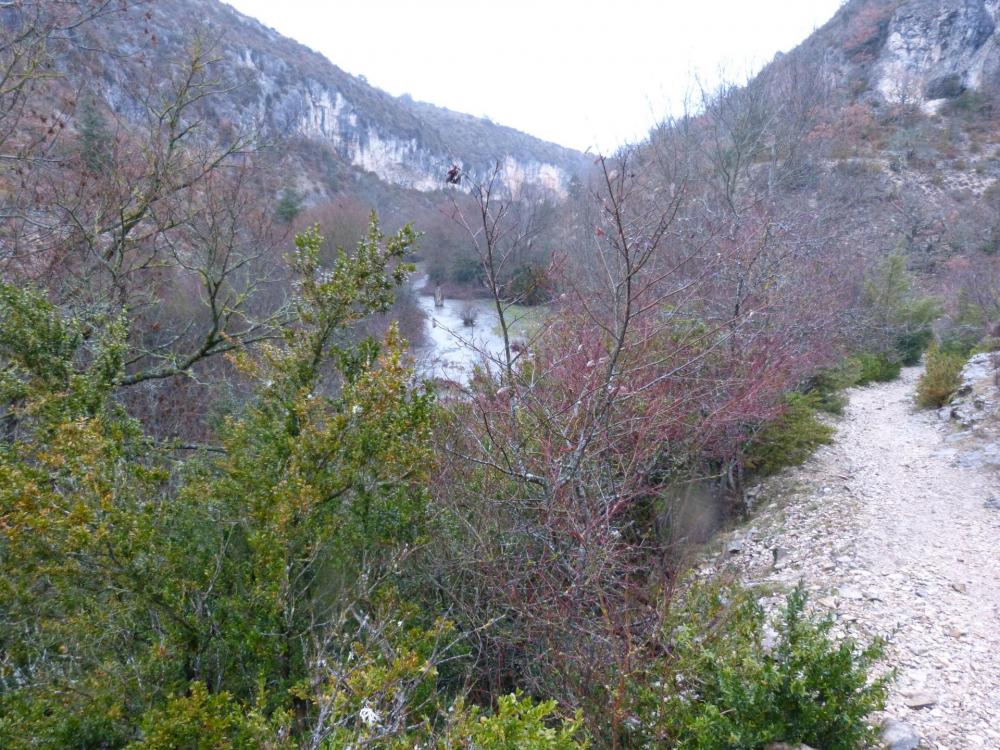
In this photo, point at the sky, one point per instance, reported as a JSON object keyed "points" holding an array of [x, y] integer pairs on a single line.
{"points": [[582, 73]]}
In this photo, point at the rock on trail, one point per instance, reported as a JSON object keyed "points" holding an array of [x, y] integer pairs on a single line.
{"points": [[897, 537]]}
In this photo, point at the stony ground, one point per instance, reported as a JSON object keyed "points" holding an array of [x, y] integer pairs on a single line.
{"points": [[896, 535]]}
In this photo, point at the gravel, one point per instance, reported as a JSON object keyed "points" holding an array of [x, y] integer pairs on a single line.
{"points": [[896, 538]]}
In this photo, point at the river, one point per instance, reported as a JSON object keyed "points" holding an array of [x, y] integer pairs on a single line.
{"points": [[452, 349]]}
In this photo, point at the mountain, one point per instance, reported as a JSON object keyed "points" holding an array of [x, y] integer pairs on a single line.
{"points": [[294, 94]]}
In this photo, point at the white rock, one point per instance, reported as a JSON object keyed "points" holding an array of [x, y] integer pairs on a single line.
{"points": [[898, 735], [919, 699]]}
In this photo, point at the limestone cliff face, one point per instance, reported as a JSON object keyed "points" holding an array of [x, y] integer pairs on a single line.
{"points": [[289, 91], [937, 49]]}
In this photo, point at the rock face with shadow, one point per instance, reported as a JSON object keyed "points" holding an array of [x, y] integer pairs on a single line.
{"points": [[938, 49]]}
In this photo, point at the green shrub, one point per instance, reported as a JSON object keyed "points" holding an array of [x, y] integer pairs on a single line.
{"points": [[791, 438], [204, 721], [530, 285], [960, 338], [899, 317], [970, 102], [730, 683], [518, 724], [826, 387], [911, 345], [987, 345], [96, 139], [876, 367], [941, 376], [289, 206], [45, 720], [467, 270]]}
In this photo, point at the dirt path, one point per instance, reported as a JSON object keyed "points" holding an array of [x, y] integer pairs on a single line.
{"points": [[898, 540]]}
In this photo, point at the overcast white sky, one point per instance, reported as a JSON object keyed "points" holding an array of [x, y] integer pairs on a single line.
{"points": [[583, 73]]}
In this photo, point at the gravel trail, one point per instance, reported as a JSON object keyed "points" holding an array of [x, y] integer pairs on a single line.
{"points": [[896, 539]]}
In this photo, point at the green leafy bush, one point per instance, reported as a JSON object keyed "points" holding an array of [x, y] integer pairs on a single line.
{"points": [[876, 367], [899, 317], [960, 338], [518, 724], [731, 683], [201, 583], [289, 206], [467, 270], [96, 142], [530, 284], [204, 721], [970, 102], [791, 438], [940, 378], [33, 721], [988, 344]]}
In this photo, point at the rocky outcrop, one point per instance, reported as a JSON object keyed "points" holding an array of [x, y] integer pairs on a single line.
{"points": [[974, 409], [977, 398], [937, 49]]}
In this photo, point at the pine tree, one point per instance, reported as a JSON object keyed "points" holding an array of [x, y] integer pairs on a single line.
{"points": [[95, 138]]}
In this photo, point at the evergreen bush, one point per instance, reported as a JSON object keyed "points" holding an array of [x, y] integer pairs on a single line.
{"points": [[826, 387], [988, 344], [736, 681], [960, 338], [289, 206], [912, 344], [940, 379], [518, 724], [876, 367], [791, 438]]}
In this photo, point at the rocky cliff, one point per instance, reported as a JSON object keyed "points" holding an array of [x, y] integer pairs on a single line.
{"points": [[921, 52], [288, 91], [937, 49]]}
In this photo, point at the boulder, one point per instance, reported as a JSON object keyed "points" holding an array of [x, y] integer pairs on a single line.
{"points": [[919, 699], [898, 735]]}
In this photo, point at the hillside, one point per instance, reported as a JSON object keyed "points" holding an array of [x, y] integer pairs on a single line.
{"points": [[885, 120], [286, 91]]}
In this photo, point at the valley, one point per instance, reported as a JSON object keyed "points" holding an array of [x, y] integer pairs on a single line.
{"points": [[337, 420]]}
